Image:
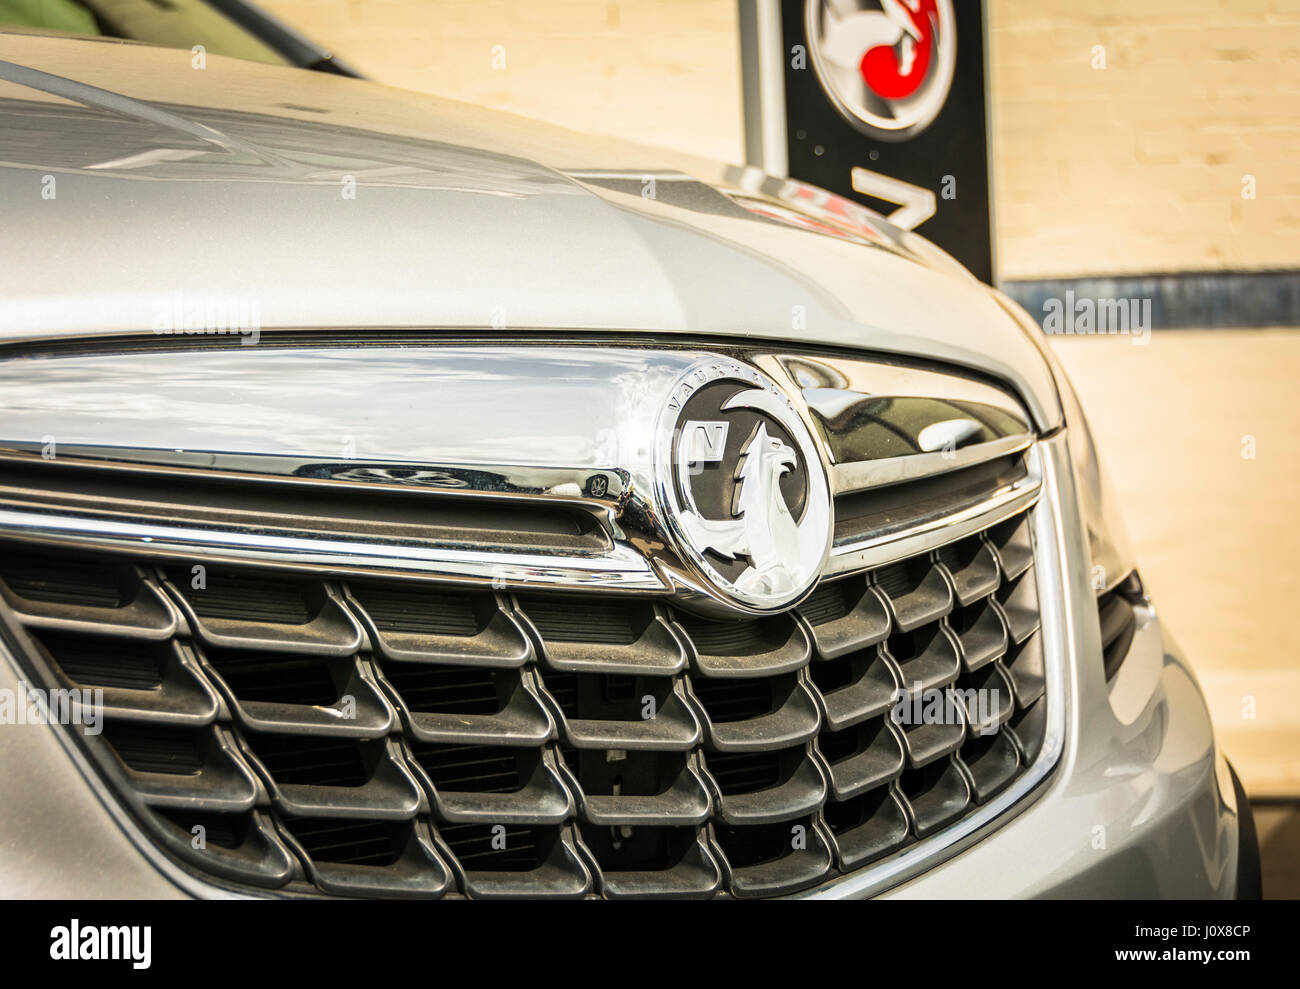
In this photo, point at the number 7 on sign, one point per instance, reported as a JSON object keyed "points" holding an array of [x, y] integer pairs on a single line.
{"points": [[916, 205]]}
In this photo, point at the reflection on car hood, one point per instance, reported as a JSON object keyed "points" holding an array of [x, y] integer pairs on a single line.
{"points": [[137, 185]]}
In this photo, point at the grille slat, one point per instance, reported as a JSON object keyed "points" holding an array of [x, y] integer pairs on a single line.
{"points": [[763, 648], [762, 788], [853, 619], [973, 568], [242, 609], [421, 625], [868, 827], [863, 758], [653, 861], [916, 592]]}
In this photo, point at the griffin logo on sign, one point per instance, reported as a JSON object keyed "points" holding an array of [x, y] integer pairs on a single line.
{"points": [[887, 65], [745, 491]]}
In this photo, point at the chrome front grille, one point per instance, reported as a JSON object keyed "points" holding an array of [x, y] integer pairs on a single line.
{"points": [[371, 736], [524, 617]]}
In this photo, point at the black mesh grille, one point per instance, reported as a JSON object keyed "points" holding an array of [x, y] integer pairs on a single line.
{"points": [[309, 760], [60, 579], [570, 620], [471, 742], [827, 603], [725, 638], [734, 700], [275, 677], [95, 662], [745, 772], [345, 842], [445, 689], [239, 595], [495, 848], [1118, 622], [414, 610], [470, 768], [154, 750]]}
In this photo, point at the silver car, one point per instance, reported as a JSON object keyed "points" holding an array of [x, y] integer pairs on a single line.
{"points": [[403, 499]]}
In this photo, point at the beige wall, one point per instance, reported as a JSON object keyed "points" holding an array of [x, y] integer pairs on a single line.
{"points": [[660, 72], [1138, 166], [1134, 167]]}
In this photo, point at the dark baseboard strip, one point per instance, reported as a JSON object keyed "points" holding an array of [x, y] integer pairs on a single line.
{"points": [[1173, 301]]}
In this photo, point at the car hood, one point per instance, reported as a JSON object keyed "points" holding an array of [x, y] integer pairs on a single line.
{"points": [[138, 182]]}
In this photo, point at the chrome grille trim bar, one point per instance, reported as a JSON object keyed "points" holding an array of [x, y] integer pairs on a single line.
{"points": [[850, 478], [470, 480], [622, 568], [917, 536]]}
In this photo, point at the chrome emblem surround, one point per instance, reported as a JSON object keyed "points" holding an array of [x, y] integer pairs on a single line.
{"points": [[742, 487]]}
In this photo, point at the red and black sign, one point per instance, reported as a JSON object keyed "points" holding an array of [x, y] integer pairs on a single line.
{"points": [[885, 104]]}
